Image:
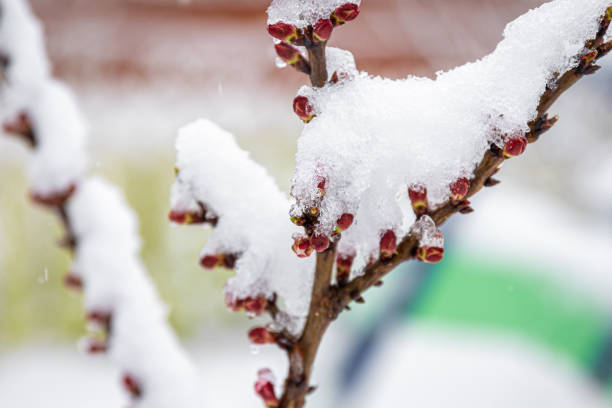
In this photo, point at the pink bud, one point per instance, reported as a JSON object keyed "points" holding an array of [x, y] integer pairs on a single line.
{"points": [[320, 242], [388, 244], [344, 13], [303, 108], [264, 387], [302, 246], [131, 385], [261, 335], [321, 30], [286, 32], [515, 146], [418, 197], [344, 222], [459, 190]]}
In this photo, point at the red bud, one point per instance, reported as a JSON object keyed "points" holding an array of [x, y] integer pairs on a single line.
{"points": [[211, 261], [21, 126], [99, 317], [73, 281], [321, 30], [264, 387], [344, 222], [430, 254], [515, 146], [286, 32], [303, 108], [459, 189], [299, 221], [293, 57], [261, 335], [314, 211], [320, 242], [344, 13], [95, 346], [186, 217], [388, 244], [255, 306], [344, 262], [418, 197], [131, 385], [302, 246], [55, 199]]}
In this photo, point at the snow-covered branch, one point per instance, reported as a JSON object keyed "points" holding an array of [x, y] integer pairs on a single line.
{"points": [[218, 183], [125, 315]]}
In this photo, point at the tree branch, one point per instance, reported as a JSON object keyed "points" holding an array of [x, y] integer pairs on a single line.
{"points": [[328, 301]]}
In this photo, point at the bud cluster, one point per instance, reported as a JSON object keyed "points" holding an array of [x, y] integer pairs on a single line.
{"points": [[313, 35], [312, 240], [211, 261]]}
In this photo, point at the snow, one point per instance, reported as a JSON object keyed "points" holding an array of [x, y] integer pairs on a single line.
{"points": [[253, 219], [303, 13], [21, 40], [373, 137], [60, 158]]}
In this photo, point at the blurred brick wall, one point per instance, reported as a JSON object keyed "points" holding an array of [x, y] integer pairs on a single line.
{"points": [[198, 41]]}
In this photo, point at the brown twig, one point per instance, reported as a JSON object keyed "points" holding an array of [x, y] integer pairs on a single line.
{"points": [[329, 300]]}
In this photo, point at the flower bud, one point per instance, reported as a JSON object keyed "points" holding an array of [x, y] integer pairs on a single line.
{"points": [[55, 199], [72, 281], [21, 126], [320, 242], [459, 189], [255, 306], [344, 222], [344, 262], [303, 108], [293, 57], [418, 197], [314, 211], [95, 346], [99, 318], [187, 217], [388, 244], [210, 261], [302, 246], [515, 146], [286, 32], [299, 221], [321, 30], [264, 387], [131, 385], [261, 335], [430, 254], [344, 13]]}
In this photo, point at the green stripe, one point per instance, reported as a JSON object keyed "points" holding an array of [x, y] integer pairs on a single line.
{"points": [[470, 290]]}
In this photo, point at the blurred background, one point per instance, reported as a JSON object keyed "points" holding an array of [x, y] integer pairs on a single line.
{"points": [[519, 313]]}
